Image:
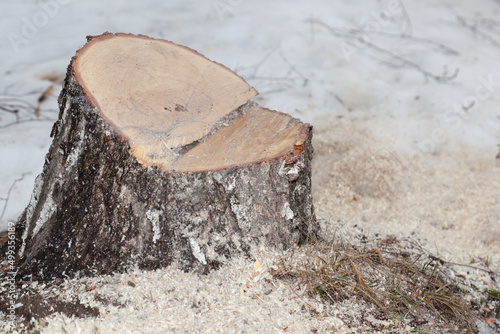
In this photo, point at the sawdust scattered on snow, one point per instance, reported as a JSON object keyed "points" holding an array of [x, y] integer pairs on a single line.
{"points": [[448, 202]]}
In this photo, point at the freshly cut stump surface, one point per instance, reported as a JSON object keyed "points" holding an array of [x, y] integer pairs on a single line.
{"points": [[158, 157]]}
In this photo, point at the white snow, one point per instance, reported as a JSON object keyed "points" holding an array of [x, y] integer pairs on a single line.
{"points": [[421, 78], [288, 53]]}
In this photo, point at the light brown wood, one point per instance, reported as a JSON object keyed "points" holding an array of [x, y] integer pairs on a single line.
{"points": [[258, 134], [158, 95]]}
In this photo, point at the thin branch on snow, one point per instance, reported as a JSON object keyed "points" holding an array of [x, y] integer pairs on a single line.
{"points": [[444, 263], [407, 25], [16, 105], [438, 46], [294, 69], [254, 68], [6, 199], [393, 58], [285, 82], [27, 120], [474, 29], [489, 24], [262, 61]]}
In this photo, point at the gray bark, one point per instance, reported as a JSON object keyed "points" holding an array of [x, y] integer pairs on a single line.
{"points": [[96, 210]]}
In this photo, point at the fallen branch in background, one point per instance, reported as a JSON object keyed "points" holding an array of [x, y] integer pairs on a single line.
{"points": [[23, 110], [42, 98], [291, 78], [6, 199], [393, 59], [475, 27]]}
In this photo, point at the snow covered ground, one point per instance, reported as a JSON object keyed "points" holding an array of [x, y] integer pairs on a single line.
{"points": [[422, 76], [417, 79]]}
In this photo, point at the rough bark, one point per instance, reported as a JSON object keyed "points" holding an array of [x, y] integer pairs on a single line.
{"points": [[97, 209]]}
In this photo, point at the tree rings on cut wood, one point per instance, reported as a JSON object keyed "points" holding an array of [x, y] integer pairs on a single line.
{"points": [[157, 94], [158, 157]]}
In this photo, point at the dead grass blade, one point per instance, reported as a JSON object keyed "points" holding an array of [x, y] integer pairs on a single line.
{"points": [[389, 278]]}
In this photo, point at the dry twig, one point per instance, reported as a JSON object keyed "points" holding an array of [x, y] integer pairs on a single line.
{"points": [[393, 58]]}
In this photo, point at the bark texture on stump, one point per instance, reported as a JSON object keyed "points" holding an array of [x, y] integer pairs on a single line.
{"points": [[158, 157]]}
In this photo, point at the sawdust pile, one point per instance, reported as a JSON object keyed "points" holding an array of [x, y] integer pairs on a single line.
{"points": [[450, 202]]}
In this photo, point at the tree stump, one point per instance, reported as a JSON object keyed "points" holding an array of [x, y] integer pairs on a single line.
{"points": [[159, 158]]}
